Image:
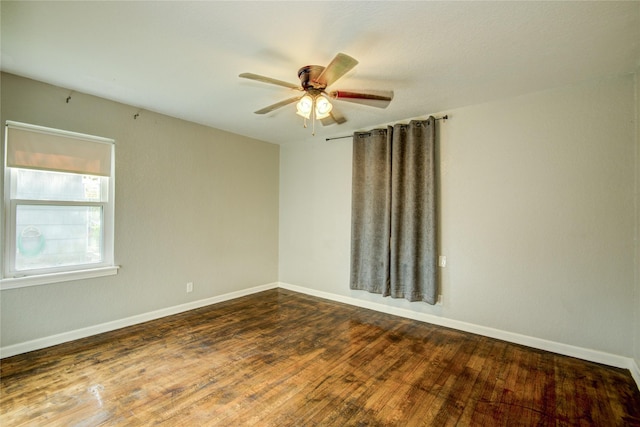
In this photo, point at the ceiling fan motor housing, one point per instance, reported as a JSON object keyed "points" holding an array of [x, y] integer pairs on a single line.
{"points": [[308, 76]]}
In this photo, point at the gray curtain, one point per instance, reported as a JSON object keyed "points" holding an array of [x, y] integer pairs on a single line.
{"points": [[371, 211], [393, 230]]}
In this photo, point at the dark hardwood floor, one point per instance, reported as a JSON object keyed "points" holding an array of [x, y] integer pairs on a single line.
{"points": [[279, 358]]}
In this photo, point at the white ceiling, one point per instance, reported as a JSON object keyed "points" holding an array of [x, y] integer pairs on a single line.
{"points": [[183, 58]]}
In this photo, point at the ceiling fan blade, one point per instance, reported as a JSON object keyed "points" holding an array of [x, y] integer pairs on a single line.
{"points": [[373, 98], [334, 118], [277, 105], [338, 67], [269, 80]]}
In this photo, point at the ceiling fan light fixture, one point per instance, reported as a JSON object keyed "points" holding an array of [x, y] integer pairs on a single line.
{"points": [[323, 107], [305, 106]]}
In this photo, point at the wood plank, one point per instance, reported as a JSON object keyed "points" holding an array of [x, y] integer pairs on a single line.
{"points": [[279, 358]]}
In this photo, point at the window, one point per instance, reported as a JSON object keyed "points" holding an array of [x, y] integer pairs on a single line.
{"points": [[58, 205]]}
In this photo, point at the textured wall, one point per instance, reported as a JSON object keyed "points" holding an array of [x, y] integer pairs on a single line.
{"points": [[536, 208], [637, 253], [192, 204]]}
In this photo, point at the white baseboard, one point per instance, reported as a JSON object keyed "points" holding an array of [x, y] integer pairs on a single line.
{"points": [[541, 344], [52, 340], [552, 346]]}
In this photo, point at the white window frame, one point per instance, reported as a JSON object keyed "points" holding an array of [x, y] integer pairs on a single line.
{"points": [[11, 278]]}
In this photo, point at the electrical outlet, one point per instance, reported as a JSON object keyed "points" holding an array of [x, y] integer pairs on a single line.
{"points": [[190, 287], [442, 261]]}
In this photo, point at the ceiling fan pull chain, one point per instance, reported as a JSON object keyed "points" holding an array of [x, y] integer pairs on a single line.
{"points": [[313, 113]]}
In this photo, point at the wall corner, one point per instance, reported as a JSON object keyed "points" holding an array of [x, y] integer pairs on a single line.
{"points": [[636, 319]]}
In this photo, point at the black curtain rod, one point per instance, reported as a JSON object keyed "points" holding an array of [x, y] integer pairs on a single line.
{"points": [[445, 117]]}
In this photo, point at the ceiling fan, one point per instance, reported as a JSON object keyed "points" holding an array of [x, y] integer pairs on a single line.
{"points": [[314, 102]]}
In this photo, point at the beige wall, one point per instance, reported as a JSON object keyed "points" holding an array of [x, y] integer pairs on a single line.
{"points": [[192, 204], [537, 216], [637, 253]]}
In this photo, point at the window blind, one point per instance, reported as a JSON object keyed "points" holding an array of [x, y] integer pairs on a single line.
{"points": [[35, 147]]}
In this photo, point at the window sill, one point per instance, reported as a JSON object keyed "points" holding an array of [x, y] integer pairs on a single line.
{"points": [[45, 279]]}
